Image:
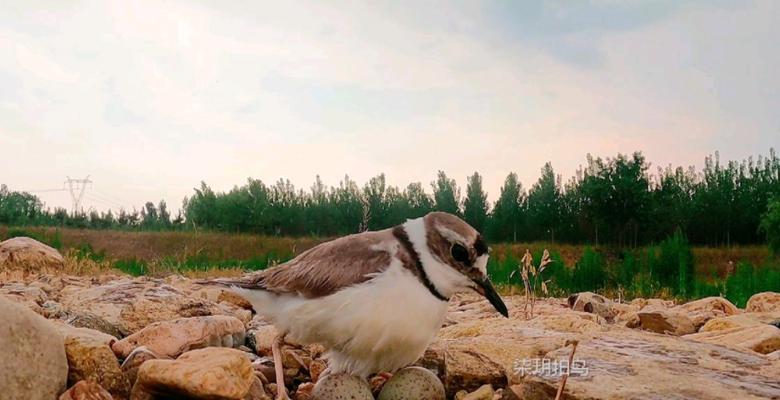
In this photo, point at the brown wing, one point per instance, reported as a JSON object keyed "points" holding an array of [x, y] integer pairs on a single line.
{"points": [[326, 268]]}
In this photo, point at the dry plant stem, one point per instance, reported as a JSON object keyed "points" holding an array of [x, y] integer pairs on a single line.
{"points": [[568, 371], [276, 349]]}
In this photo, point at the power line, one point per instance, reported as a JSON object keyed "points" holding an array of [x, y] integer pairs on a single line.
{"points": [[43, 190], [88, 196], [108, 197], [96, 196]]}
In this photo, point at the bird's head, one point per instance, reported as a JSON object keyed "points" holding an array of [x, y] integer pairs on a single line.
{"points": [[457, 256]]}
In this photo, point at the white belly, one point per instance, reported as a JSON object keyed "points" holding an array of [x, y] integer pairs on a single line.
{"points": [[381, 325]]}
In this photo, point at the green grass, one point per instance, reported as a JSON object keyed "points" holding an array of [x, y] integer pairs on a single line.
{"points": [[664, 270]]}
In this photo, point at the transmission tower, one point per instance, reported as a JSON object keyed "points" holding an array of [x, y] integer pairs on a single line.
{"points": [[77, 187]]}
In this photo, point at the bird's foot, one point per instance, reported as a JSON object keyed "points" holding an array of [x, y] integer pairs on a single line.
{"points": [[276, 348]]}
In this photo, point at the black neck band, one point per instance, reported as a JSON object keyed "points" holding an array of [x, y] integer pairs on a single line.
{"points": [[400, 233]]}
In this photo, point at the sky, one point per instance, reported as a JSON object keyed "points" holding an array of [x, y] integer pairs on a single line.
{"points": [[149, 98]]}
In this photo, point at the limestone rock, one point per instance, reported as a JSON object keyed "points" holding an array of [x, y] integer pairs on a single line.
{"points": [[132, 304], [260, 337], [32, 361], [257, 392], [172, 338], [29, 254], [762, 338], [702, 310], [29, 296], [485, 392], [92, 359], [86, 390], [666, 321], [632, 364], [743, 320], [69, 332], [210, 373], [133, 362], [763, 302], [593, 303], [88, 320], [486, 351]]}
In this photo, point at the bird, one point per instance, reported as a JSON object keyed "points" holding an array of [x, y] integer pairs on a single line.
{"points": [[376, 299]]}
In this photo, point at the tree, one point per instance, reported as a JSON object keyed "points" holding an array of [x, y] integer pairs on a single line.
{"points": [[545, 204], [375, 195], [507, 217], [475, 207], [446, 194]]}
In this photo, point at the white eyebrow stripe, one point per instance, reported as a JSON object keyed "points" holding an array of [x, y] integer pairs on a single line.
{"points": [[452, 235]]}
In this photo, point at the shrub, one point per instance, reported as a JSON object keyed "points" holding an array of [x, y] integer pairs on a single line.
{"points": [[590, 272], [674, 266], [748, 280], [770, 225]]}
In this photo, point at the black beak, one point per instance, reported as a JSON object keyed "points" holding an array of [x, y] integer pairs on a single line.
{"points": [[485, 288]]}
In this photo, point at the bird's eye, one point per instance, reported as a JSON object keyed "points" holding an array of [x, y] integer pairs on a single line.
{"points": [[459, 253]]}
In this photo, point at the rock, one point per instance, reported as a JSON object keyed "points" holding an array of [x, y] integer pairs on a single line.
{"points": [[68, 332], [31, 297], [133, 362], [304, 391], [132, 304], [212, 373], [735, 321], [666, 321], [631, 364], [92, 359], [413, 383], [88, 320], [260, 337], [172, 338], [593, 303], [29, 254], [257, 392], [702, 310], [762, 338], [763, 302], [86, 390], [341, 387], [316, 368], [53, 310], [485, 392], [32, 360]]}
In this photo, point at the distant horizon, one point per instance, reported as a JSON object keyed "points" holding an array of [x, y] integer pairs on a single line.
{"points": [[105, 199]]}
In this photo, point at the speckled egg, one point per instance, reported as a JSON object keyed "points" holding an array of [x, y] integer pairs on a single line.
{"points": [[413, 383], [341, 387]]}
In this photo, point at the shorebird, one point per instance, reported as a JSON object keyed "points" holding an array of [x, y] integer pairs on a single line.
{"points": [[375, 299]]}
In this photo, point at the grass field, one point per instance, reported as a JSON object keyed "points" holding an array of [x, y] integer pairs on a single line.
{"points": [[734, 272]]}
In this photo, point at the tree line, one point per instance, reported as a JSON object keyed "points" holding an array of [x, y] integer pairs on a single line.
{"points": [[615, 200]]}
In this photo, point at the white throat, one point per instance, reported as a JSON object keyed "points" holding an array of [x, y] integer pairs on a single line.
{"points": [[444, 278]]}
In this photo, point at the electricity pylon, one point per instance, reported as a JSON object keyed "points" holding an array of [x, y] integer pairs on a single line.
{"points": [[77, 188]]}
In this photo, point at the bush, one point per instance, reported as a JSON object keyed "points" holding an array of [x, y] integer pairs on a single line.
{"points": [[770, 225], [748, 280], [590, 272], [674, 266], [131, 266]]}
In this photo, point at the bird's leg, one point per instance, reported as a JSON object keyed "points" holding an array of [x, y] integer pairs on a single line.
{"points": [[276, 348]]}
